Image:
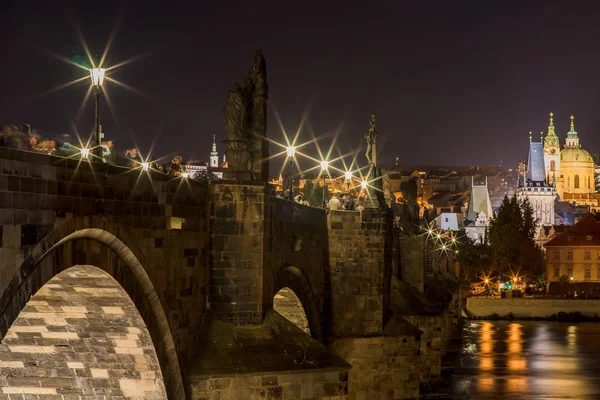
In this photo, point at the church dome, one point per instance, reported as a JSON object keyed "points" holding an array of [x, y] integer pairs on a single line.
{"points": [[574, 154]]}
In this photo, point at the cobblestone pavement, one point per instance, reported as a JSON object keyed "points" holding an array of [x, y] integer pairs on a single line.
{"points": [[288, 305], [79, 337]]}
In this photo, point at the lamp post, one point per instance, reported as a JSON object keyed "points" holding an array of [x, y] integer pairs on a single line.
{"points": [[348, 176], [291, 151], [97, 75], [324, 166]]}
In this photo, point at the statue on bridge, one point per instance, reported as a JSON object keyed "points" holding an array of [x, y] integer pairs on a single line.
{"points": [[371, 137], [246, 124]]}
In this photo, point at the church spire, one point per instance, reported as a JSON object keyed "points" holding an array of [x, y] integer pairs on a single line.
{"points": [[551, 140], [572, 137], [214, 155]]}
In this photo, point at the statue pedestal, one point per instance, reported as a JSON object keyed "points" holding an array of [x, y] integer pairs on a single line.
{"points": [[371, 201], [237, 156]]}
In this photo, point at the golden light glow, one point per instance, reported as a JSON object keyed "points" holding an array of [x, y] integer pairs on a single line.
{"points": [[185, 175], [145, 166], [97, 75], [348, 175], [324, 165], [85, 153], [363, 184]]}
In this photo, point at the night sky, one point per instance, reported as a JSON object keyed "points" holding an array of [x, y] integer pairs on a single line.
{"points": [[451, 82]]}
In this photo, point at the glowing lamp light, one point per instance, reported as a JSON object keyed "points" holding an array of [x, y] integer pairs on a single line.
{"points": [[571, 278], [429, 231], [487, 281], [438, 236], [348, 175], [453, 240], [443, 247], [85, 153], [97, 75], [145, 166], [291, 151], [324, 165], [363, 184], [185, 175]]}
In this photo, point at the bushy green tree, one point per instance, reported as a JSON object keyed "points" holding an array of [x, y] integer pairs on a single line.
{"points": [[512, 239], [475, 258]]}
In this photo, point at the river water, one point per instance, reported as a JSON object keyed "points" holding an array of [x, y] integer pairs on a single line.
{"points": [[528, 360]]}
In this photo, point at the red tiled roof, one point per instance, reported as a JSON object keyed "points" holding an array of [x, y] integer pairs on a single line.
{"points": [[578, 234]]}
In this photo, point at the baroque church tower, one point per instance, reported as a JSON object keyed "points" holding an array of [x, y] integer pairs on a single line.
{"points": [[552, 154]]}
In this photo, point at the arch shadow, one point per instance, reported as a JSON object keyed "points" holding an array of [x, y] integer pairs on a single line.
{"points": [[36, 271], [293, 278]]}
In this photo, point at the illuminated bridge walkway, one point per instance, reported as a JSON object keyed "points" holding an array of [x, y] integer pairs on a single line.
{"points": [[79, 335]]}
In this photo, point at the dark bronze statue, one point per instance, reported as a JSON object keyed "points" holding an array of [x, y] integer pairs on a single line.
{"points": [[246, 123], [235, 112], [371, 137]]}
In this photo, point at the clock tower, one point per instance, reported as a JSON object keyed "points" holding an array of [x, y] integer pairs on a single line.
{"points": [[552, 154]]}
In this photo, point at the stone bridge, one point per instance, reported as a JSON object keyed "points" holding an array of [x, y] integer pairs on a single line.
{"points": [[202, 263]]}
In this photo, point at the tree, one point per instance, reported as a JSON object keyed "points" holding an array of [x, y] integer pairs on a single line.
{"points": [[475, 258], [512, 239]]}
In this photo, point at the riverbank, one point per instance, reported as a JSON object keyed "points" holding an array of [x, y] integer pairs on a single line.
{"points": [[573, 310]]}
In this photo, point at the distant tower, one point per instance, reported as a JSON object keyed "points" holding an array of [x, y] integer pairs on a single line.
{"points": [[214, 156], [541, 194], [551, 153]]}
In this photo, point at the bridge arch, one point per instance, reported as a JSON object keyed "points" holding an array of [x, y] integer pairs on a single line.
{"points": [[294, 279], [47, 260]]}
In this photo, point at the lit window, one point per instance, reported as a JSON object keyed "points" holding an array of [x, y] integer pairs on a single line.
{"points": [[587, 272], [570, 271], [569, 254], [557, 272], [587, 255], [556, 254]]}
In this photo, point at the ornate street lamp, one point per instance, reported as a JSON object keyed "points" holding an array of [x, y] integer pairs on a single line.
{"points": [[291, 151], [324, 166], [348, 176], [97, 75]]}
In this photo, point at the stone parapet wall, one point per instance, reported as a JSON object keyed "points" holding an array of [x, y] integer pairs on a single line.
{"points": [[360, 268], [383, 367], [281, 385], [527, 308]]}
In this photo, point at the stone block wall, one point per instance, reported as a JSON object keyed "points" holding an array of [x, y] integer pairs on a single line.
{"points": [[295, 235], [431, 346], [359, 271], [237, 223], [283, 385], [411, 260], [41, 195], [383, 367], [527, 308]]}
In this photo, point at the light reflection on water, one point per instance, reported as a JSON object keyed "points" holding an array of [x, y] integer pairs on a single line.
{"points": [[528, 360]]}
